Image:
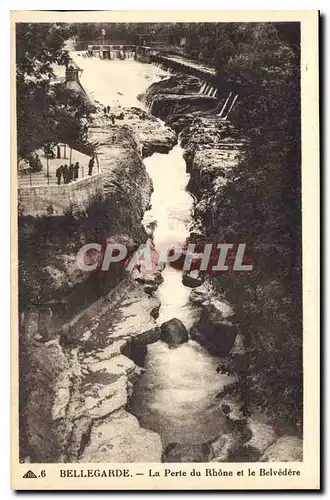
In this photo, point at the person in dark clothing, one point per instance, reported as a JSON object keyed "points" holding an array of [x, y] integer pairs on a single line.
{"points": [[66, 174], [90, 165], [113, 119], [59, 172], [105, 110], [76, 171], [71, 171], [108, 109]]}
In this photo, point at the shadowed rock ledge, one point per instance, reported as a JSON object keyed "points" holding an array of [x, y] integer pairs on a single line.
{"points": [[81, 382]]}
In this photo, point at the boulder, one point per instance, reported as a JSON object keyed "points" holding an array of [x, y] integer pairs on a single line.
{"points": [[192, 279], [263, 434], [285, 449], [48, 381], [223, 447], [174, 332], [79, 437], [150, 280], [215, 330], [119, 438]]}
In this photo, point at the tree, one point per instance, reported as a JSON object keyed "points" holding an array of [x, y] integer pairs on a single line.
{"points": [[46, 112], [261, 205]]}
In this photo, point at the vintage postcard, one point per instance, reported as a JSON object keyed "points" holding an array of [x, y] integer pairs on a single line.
{"points": [[165, 247]]}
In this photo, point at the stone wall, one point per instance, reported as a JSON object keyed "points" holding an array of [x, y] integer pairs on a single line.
{"points": [[58, 200]]}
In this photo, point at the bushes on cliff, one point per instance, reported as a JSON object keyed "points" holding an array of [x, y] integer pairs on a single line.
{"points": [[261, 206]]}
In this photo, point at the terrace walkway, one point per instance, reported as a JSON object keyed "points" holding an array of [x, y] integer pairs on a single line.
{"points": [[27, 178]]}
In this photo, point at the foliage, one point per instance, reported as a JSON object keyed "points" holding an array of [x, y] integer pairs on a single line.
{"points": [[261, 206], [46, 112]]}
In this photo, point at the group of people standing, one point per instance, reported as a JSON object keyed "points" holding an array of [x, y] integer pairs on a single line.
{"points": [[69, 173]]}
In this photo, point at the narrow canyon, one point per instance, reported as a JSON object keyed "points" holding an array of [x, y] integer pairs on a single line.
{"points": [[125, 366]]}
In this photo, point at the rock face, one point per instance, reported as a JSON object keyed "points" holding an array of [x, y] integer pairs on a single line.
{"points": [[177, 95], [45, 398], [80, 383], [149, 278], [285, 449], [248, 439], [213, 146], [174, 332], [115, 213], [216, 329]]}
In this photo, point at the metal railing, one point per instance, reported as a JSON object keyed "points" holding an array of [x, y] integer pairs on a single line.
{"points": [[36, 179]]}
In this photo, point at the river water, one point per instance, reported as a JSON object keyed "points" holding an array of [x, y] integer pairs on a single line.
{"points": [[176, 395]]}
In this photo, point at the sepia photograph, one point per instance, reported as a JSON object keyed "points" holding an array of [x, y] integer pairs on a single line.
{"points": [[159, 205]]}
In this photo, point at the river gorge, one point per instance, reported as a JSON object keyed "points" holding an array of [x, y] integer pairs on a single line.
{"points": [[119, 381]]}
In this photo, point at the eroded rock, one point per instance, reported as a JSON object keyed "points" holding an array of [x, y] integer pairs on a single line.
{"points": [[215, 328], [119, 438], [174, 332]]}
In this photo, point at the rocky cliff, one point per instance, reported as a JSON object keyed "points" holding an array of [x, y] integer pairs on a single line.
{"points": [[83, 334], [75, 387]]}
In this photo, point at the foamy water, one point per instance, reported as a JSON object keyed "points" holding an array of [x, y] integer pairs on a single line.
{"points": [[171, 208], [116, 82], [176, 396]]}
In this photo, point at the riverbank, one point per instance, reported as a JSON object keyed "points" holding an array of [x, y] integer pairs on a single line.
{"points": [[215, 149]]}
